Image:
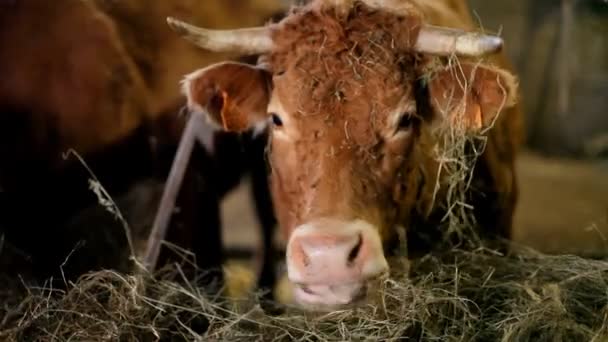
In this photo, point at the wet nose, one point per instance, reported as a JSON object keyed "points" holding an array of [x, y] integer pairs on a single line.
{"points": [[333, 260]]}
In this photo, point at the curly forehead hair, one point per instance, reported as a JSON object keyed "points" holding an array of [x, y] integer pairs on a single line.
{"points": [[306, 24], [331, 54]]}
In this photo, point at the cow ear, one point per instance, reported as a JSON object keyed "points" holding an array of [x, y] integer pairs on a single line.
{"points": [[471, 94], [235, 95]]}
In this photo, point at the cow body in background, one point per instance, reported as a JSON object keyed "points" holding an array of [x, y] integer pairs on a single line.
{"points": [[362, 96], [101, 78]]}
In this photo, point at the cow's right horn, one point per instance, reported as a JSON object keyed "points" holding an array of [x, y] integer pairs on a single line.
{"points": [[243, 41]]}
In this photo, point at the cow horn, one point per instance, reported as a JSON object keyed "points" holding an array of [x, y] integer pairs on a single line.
{"points": [[243, 41], [446, 41]]}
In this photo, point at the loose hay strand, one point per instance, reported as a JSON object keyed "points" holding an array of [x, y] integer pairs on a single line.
{"points": [[106, 201], [457, 152]]}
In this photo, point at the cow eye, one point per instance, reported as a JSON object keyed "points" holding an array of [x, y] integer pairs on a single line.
{"points": [[406, 121], [276, 120]]}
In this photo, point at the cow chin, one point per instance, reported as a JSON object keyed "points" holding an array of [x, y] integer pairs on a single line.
{"points": [[332, 263]]}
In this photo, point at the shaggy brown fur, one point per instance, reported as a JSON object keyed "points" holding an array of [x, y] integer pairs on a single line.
{"points": [[343, 71]]}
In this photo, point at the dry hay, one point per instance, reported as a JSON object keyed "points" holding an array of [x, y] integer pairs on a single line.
{"points": [[472, 296]]}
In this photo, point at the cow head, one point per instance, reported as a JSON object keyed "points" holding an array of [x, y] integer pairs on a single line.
{"points": [[354, 92]]}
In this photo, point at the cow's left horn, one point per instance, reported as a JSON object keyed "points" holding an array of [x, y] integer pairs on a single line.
{"points": [[446, 41], [243, 41]]}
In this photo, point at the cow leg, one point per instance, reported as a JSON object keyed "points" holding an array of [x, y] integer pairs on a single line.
{"points": [[494, 205], [265, 213], [205, 221]]}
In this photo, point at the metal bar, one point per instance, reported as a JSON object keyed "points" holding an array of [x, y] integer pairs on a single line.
{"points": [[172, 187]]}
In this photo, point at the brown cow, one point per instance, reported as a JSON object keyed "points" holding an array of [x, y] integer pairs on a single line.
{"points": [[359, 93], [96, 77]]}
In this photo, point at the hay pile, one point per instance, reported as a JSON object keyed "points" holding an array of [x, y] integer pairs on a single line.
{"points": [[472, 296]]}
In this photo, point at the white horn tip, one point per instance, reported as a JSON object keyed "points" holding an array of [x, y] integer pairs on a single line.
{"points": [[492, 43], [175, 24], [478, 45]]}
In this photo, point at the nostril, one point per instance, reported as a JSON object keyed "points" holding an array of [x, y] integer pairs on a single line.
{"points": [[305, 259], [307, 289], [354, 252], [298, 252]]}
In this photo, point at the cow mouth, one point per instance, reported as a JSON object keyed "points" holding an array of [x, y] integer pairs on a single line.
{"points": [[336, 296], [323, 297]]}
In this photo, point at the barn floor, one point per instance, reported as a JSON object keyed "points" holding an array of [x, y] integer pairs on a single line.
{"points": [[563, 207]]}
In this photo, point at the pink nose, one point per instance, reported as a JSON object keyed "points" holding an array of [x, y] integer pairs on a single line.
{"points": [[330, 261]]}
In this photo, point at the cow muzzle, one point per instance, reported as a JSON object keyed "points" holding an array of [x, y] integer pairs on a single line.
{"points": [[331, 263]]}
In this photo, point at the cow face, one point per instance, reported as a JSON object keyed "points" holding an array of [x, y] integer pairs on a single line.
{"points": [[354, 107]]}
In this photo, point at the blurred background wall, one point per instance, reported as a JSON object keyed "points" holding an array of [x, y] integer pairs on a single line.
{"points": [[560, 48]]}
